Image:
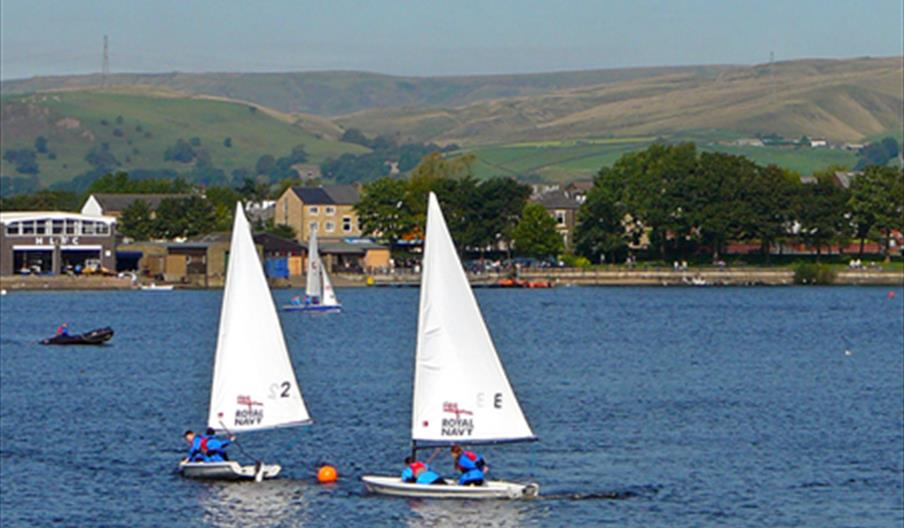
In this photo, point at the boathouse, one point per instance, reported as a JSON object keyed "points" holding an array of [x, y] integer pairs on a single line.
{"points": [[52, 242]]}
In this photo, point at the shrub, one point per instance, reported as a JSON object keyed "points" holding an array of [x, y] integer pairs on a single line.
{"points": [[811, 273], [575, 261]]}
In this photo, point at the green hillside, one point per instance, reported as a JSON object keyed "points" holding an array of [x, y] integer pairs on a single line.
{"points": [[570, 160], [138, 128]]}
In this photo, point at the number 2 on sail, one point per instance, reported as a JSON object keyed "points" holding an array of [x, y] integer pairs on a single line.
{"points": [[285, 390]]}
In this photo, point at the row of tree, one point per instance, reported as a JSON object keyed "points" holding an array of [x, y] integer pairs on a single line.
{"points": [[685, 202]]}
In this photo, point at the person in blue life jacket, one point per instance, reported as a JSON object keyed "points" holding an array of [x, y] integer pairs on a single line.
{"points": [[471, 465], [417, 472], [196, 447], [215, 448], [296, 301]]}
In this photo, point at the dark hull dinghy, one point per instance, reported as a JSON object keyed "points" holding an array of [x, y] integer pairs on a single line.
{"points": [[97, 336]]}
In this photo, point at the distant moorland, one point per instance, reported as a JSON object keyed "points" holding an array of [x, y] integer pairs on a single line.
{"points": [[551, 126]]}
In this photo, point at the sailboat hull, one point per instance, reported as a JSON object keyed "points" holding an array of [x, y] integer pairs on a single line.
{"points": [[313, 308], [226, 470], [491, 489]]}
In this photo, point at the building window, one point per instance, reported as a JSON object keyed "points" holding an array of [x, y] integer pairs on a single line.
{"points": [[103, 229], [57, 227], [346, 224], [330, 211], [313, 226], [87, 228], [560, 217], [12, 228], [40, 227], [28, 228], [285, 211], [71, 227], [314, 209], [329, 227]]}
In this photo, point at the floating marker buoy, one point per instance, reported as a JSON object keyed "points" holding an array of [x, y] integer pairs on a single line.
{"points": [[327, 474], [891, 295]]}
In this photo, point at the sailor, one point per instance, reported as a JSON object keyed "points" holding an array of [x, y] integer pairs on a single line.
{"points": [[216, 447], [471, 465], [296, 301], [63, 330], [418, 472], [197, 447]]}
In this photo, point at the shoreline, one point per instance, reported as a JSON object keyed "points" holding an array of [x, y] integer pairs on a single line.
{"points": [[557, 276]]}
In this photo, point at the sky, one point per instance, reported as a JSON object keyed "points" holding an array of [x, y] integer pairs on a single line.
{"points": [[432, 37]]}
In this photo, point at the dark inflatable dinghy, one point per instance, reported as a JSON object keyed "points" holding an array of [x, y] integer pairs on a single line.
{"points": [[98, 336]]}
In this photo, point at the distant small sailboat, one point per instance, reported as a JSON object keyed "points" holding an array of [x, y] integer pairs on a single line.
{"points": [[461, 392], [319, 295], [254, 386]]}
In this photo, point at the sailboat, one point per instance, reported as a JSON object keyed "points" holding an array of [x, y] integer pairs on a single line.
{"points": [[461, 392], [254, 386], [319, 295]]}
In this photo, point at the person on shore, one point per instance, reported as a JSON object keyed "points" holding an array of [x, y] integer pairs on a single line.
{"points": [[216, 447], [63, 330], [471, 465], [417, 472]]}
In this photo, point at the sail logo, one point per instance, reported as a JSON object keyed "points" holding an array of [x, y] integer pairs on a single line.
{"points": [[457, 426], [253, 415]]}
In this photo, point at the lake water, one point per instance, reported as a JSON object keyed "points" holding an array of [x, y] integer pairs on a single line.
{"points": [[654, 406]]}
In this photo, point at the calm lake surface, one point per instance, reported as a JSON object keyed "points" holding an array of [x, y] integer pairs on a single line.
{"points": [[654, 406]]}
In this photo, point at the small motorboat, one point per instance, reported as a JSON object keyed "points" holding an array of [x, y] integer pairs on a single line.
{"points": [[156, 287], [97, 336], [228, 470]]}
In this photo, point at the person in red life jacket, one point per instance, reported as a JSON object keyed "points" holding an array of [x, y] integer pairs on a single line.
{"points": [[63, 330], [214, 447], [471, 465], [197, 451], [417, 472]]}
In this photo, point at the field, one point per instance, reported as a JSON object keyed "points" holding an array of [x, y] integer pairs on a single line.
{"points": [[570, 160], [138, 128]]}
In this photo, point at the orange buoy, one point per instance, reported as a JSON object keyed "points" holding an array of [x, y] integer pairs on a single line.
{"points": [[327, 474], [891, 294]]}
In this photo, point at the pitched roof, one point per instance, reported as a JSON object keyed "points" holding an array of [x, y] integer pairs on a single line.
{"points": [[328, 195], [119, 202], [557, 200], [271, 242]]}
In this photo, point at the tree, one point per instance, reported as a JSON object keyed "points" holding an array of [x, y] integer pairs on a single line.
{"points": [[185, 217], [265, 164], [770, 199], [353, 135], [281, 230], [600, 232], [195, 141], [223, 200], [101, 158], [497, 209], [536, 235], [383, 211], [820, 212], [136, 221], [25, 160], [42, 201], [877, 200], [41, 144], [182, 152], [227, 142]]}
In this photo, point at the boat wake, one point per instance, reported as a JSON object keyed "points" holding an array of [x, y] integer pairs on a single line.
{"points": [[636, 492]]}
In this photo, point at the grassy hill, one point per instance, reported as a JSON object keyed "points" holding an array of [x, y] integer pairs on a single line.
{"points": [[337, 92], [138, 127], [570, 160], [842, 100]]}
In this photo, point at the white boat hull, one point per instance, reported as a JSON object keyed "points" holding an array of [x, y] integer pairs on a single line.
{"points": [[227, 470], [154, 287], [491, 489]]}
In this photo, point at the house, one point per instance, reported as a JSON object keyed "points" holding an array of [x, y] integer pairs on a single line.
{"points": [[563, 209], [329, 210], [113, 204], [844, 179], [579, 189], [818, 142]]}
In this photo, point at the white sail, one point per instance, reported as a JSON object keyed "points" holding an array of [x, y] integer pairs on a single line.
{"points": [[329, 295], [461, 392], [313, 285], [254, 385]]}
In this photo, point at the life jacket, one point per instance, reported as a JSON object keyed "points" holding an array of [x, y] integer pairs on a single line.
{"points": [[203, 444], [417, 467], [476, 459]]}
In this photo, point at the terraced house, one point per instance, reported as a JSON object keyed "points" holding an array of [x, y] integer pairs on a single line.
{"points": [[329, 210]]}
